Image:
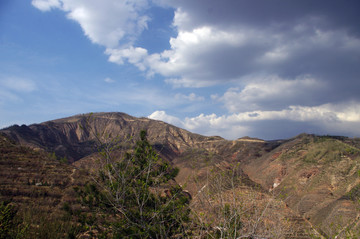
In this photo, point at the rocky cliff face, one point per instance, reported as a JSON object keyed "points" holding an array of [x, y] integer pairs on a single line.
{"points": [[317, 177]]}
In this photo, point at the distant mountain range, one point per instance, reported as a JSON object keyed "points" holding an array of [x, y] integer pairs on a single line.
{"points": [[316, 177]]}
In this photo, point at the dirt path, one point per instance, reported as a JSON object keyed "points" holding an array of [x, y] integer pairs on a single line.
{"points": [[72, 175]]}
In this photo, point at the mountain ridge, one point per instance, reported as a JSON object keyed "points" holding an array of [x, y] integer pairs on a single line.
{"points": [[72, 130]]}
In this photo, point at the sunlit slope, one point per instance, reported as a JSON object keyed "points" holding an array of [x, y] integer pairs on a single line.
{"points": [[317, 176]]}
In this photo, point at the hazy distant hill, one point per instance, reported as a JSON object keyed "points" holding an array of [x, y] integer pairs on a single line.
{"points": [[317, 177]]}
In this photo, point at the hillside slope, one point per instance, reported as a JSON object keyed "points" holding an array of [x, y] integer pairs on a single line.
{"points": [[39, 187], [42, 187], [317, 177]]}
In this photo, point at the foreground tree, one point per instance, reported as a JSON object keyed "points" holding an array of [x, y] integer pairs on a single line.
{"points": [[139, 190]]}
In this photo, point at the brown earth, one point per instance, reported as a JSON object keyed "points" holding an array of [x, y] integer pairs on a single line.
{"points": [[39, 187]]}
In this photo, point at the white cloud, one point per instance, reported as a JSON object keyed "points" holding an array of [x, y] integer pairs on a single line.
{"points": [[330, 118], [162, 116], [181, 19], [269, 92], [106, 22], [46, 5], [134, 55], [201, 57], [204, 124], [206, 55], [192, 53]]}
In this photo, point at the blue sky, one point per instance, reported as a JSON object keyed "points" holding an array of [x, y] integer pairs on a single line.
{"points": [[266, 68]]}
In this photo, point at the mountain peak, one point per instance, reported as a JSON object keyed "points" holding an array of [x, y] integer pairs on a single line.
{"points": [[104, 115]]}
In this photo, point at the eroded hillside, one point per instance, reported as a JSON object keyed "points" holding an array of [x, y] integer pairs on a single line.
{"points": [[318, 176]]}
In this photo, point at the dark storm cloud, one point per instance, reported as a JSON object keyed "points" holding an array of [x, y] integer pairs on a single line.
{"points": [[226, 41], [286, 39], [263, 13], [283, 129]]}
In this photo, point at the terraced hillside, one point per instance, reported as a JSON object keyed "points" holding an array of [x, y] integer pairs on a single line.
{"points": [[38, 187]]}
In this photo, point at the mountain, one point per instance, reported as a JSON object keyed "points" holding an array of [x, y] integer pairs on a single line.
{"points": [[71, 137], [315, 179]]}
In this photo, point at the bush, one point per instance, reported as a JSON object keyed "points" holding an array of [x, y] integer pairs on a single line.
{"points": [[9, 226]]}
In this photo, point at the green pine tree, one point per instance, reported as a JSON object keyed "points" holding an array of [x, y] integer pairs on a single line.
{"points": [[132, 188]]}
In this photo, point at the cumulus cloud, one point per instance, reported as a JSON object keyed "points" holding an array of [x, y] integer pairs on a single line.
{"points": [[272, 92], [206, 55], [134, 55], [204, 124], [107, 22], [46, 5], [161, 115], [202, 57], [330, 118]]}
